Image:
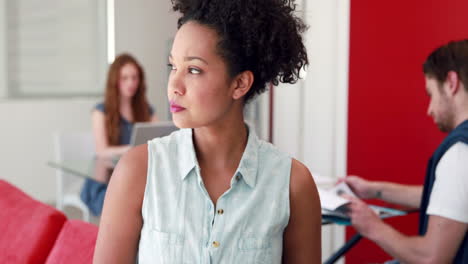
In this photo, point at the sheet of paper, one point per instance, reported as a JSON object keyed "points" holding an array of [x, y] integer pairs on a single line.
{"points": [[330, 200], [334, 206], [342, 188]]}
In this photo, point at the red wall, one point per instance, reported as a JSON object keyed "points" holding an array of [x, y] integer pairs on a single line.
{"points": [[390, 136]]}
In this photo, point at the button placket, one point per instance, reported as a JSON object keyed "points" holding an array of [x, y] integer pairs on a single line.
{"points": [[219, 207], [210, 213], [219, 223], [216, 244]]}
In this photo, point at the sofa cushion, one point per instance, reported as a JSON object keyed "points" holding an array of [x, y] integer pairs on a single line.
{"points": [[28, 228], [75, 243]]}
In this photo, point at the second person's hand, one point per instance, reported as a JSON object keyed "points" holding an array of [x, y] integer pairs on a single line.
{"points": [[363, 218], [364, 189]]}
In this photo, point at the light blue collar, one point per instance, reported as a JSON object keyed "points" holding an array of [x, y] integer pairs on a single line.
{"points": [[248, 165]]}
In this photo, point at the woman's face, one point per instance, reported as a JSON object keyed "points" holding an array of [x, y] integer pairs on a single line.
{"points": [[199, 87], [129, 80]]}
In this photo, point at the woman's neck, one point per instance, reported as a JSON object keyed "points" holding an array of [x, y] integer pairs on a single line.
{"points": [[221, 146]]}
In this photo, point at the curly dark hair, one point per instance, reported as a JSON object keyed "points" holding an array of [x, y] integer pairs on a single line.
{"points": [[262, 36]]}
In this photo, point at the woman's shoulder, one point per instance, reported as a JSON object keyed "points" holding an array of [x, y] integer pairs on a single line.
{"points": [[300, 173], [180, 138], [177, 136], [302, 184], [131, 169], [300, 177], [268, 151]]}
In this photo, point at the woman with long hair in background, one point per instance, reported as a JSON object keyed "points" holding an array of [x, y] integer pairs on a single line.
{"points": [[124, 104]]}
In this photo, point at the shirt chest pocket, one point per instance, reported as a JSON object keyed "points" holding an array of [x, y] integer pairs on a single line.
{"points": [[255, 250], [160, 247]]}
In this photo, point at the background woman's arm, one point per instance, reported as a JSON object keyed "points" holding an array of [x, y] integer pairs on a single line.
{"points": [[154, 118], [103, 149]]}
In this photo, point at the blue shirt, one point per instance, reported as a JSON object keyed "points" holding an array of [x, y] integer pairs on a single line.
{"points": [[459, 134], [181, 223], [93, 192], [126, 126]]}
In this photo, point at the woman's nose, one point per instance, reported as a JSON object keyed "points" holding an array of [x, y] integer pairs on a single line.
{"points": [[176, 84]]}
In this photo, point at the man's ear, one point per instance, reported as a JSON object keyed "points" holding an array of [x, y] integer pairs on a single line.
{"points": [[242, 84], [453, 82]]}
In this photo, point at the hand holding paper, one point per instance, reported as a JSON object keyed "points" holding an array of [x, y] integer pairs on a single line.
{"points": [[335, 205]]}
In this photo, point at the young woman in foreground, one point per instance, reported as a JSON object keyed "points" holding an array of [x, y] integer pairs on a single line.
{"points": [[213, 192]]}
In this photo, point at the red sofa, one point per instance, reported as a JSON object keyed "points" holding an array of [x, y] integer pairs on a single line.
{"points": [[33, 232]]}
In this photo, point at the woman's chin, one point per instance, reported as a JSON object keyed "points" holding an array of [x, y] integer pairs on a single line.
{"points": [[178, 122]]}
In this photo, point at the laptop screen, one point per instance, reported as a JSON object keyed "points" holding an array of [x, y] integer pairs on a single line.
{"points": [[142, 132]]}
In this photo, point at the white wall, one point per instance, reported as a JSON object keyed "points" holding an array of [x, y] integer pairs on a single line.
{"points": [[27, 126], [26, 132], [144, 29], [55, 47], [326, 86], [287, 118], [26, 140], [3, 69], [310, 117]]}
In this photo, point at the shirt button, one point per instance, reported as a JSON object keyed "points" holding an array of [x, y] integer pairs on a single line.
{"points": [[220, 211], [215, 244], [237, 177]]}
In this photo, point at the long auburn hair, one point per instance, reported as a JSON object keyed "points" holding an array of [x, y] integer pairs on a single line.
{"points": [[140, 106]]}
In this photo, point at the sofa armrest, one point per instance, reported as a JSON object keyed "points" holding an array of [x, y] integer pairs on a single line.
{"points": [[75, 244], [28, 228]]}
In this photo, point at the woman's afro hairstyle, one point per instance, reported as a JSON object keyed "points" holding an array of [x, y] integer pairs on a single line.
{"points": [[262, 36]]}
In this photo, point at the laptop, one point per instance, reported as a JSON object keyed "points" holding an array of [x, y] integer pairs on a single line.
{"points": [[142, 132]]}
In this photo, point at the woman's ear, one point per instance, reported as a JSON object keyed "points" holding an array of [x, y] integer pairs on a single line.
{"points": [[242, 84]]}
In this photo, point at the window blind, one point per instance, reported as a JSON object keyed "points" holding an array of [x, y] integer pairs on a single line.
{"points": [[55, 48]]}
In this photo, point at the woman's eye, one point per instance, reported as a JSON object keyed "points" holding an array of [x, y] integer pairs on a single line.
{"points": [[171, 66], [194, 71]]}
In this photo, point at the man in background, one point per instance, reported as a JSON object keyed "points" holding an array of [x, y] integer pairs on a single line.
{"points": [[443, 200]]}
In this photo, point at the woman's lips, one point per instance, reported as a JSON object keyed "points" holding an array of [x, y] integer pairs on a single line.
{"points": [[176, 108]]}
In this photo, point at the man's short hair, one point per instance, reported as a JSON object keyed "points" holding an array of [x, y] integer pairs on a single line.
{"points": [[450, 57]]}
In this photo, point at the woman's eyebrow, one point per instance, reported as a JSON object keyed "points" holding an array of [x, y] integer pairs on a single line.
{"points": [[190, 58]]}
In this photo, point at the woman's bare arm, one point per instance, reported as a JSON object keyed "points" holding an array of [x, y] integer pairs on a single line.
{"points": [[154, 118], [302, 237], [103, 149], [121, 220]]}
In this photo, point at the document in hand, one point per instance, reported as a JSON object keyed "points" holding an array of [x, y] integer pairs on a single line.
{"points": [[334, 206]]}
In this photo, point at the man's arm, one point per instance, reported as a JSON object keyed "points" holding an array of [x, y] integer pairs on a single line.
{"points": [[302, 237], [438, 245], [405, 195]]}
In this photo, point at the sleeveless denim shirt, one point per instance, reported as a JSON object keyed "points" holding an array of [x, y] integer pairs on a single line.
{"points": [[181, 223]]}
